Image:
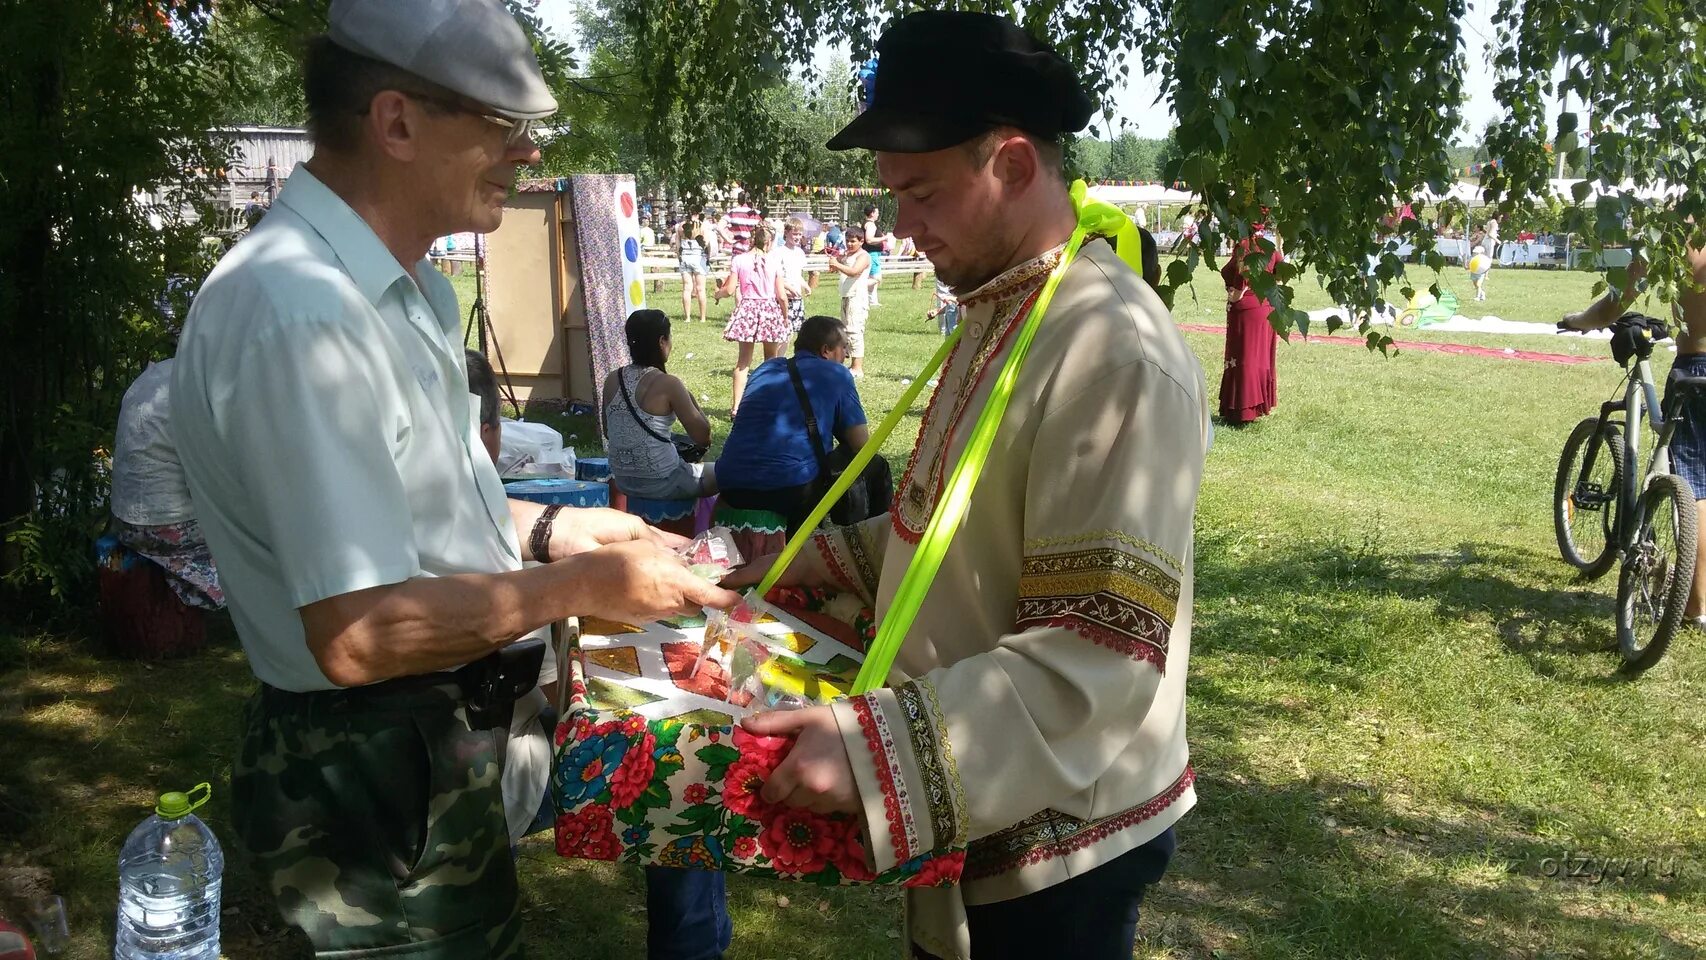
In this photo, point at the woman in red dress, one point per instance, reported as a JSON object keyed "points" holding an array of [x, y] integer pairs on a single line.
{"points": [[1247, 384]]}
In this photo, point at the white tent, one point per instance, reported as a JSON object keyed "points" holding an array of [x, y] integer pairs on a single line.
{"points": [[1565, 190], [1464, 192], [1151, 193]]}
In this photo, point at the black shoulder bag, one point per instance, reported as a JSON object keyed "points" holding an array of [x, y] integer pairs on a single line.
{"points": [[689, 451], [869, 497]]}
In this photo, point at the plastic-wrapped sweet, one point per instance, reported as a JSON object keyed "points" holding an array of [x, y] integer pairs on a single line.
{"points": [[713, 554], [725, 628]]}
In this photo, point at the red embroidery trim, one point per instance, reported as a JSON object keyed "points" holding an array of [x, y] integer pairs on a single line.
{"points": [[906, 533], [832, 560], [1102, 636], [1093, 834], [885, 780]]}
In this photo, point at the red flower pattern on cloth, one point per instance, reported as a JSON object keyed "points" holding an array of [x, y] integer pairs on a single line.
{"points": [[741, 786], [942, 871], [695, 794], [588, 834], [577, 726], [851, 859], [801, 842], [634, 773], [759, 757], [746, 848], [768, 751]]}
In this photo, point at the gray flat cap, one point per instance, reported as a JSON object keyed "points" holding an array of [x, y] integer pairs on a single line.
{"points": [[473, 47]]}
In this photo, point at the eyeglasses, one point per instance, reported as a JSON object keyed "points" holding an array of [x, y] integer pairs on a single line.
{"points": [[517, 130]]}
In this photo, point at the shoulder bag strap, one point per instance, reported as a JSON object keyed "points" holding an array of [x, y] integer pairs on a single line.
{"points": [[629, 400], [811, 418]]}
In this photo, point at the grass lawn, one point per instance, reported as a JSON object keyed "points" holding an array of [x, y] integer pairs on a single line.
{"points": [[1405, 712]]}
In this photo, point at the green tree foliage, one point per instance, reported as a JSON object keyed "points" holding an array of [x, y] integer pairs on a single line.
{"points": [[103, 153], [1130, 158], [1317, 118], [1638, 69], [606, 123]]}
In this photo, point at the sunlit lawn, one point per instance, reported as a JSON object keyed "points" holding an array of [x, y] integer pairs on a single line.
{"points": [[1404, 710]]}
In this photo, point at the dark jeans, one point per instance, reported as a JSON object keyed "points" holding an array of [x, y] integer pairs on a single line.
{"points": [[1092, 916], [687, 914]]}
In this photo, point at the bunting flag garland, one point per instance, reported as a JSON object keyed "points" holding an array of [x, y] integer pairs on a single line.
{"points": [[796, 190]]}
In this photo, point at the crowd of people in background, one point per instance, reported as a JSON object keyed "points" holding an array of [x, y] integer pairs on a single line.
{"points": [[770, 276]]}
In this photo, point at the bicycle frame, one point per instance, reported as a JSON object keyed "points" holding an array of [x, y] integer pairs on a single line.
{"points": [[1641, 396]]}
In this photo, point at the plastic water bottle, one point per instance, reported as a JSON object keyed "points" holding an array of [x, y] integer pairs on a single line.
{"points": [[168, 885]]}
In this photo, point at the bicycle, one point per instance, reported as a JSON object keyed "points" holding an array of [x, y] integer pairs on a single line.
{"points": [[1604, 512]]}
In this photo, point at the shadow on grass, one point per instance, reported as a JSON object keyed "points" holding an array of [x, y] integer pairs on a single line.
{"points": [[1319, 864], [1270, 865], [1327, 868]]}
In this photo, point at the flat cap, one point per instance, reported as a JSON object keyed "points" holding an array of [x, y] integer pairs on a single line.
{"points": [[472, 47], [943, 77]]}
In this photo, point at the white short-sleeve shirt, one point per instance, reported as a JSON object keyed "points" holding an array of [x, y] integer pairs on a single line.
{"points": [[321, 410], [148, 481]]}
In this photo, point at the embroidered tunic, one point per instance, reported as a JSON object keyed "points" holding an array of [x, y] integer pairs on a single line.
{"points": [[1036, 708]]}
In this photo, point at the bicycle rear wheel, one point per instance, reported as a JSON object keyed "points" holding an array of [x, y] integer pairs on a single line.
{"points": [[1658, 572], [1585, 495]]}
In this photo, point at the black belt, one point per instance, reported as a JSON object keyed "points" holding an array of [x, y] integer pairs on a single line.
{"points": [[489, 686]]}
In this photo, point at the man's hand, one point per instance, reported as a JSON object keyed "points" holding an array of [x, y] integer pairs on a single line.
{"points": [[754, 571], [640, 581], [581, 530], [816, 774]]}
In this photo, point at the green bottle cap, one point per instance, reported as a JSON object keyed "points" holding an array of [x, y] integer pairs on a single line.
{"points": [[176, 806]]}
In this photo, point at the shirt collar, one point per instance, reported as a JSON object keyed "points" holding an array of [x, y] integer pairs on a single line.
{"points": [[367, 260], [1018, 278]]}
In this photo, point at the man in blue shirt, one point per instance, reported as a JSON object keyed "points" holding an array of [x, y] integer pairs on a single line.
{"points": [[768, 462]]}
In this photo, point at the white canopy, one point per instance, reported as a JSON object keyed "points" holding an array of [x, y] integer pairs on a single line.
{"points": [[1565, 190], [1151, 193]]}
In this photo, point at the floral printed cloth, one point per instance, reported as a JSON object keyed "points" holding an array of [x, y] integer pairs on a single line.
{"points": [[679, 793]]}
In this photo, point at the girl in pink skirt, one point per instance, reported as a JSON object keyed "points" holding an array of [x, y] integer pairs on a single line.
{"points": [[760, 316]]}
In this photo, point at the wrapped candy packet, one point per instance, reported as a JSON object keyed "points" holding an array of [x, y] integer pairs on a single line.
{"points": [[724, 629], [713, 554]]}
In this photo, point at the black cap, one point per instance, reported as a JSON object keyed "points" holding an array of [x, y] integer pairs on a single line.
{"points": [[943, 77]]}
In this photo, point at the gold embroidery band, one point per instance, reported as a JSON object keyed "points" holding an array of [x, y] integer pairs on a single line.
{"points": [[931, 751], [1104, 619], [1049, 835], [863, 563], [1101, 571], [1044, 544]]}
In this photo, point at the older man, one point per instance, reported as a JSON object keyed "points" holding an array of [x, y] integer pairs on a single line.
{"points": [[372, 562], [1037, 706]]}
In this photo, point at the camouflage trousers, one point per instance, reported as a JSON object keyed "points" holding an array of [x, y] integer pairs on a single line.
{"points": [[378, 823]]}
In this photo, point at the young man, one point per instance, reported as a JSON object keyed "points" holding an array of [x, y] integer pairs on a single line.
{"points": [[1037, 705], [371, 561], [855, 269], [737, 226]]}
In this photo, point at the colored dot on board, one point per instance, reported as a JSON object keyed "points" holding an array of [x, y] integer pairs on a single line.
{"points": [[627, 204], [631, 250], [636, 293]]}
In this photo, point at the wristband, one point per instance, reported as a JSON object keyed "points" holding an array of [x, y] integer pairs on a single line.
{"points": [[539, 541]]}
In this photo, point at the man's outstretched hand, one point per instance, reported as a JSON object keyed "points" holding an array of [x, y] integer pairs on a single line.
{"points": [[581, 530]]}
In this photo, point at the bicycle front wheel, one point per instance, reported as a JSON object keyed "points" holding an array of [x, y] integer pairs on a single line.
{"points": [[1658, 572], [1585, 494]]}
